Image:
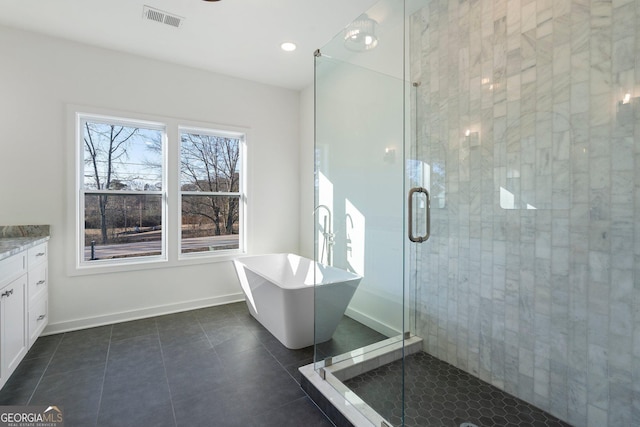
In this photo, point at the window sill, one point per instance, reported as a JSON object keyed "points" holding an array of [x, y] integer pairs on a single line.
{"points": [[154, 263]]}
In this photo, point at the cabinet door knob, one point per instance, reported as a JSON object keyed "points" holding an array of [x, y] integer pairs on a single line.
{"points": [[40, 254], [41, 317], [40, 282], [7, 293]]}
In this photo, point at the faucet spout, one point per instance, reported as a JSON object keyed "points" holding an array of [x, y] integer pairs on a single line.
{"points": [[327, 227]]}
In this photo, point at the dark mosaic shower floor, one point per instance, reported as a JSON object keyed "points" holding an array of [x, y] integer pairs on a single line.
{"points": [[439, 394]]}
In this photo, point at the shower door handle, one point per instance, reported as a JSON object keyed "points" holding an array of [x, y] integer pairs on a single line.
{"points": [[419, 239]]}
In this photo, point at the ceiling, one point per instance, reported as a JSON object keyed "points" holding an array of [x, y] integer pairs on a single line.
{"points": [[240, 38]]}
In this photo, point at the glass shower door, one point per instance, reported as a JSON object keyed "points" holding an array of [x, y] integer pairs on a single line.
{"points": [[360, 210], [362, 98], [359, 204]]}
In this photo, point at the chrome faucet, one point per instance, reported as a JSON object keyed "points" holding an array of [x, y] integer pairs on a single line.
{"points": [[327, 234]]}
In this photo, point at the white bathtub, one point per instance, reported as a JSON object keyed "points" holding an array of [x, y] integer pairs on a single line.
{"points": [[279, 291]]}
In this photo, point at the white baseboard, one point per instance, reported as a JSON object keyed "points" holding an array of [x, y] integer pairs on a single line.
{"points": [[374, 324], [125, 316]]}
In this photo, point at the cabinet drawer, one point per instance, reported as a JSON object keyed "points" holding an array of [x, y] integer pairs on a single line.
{"points": [[38, 318], [12, 267], [37, 254], [37, 281]]}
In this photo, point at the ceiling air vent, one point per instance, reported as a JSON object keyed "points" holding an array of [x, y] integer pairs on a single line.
{"points": [[152, 14]]}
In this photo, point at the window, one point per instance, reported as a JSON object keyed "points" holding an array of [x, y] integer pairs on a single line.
{"points": [[122, 189], [126, 211], [209, 190]]}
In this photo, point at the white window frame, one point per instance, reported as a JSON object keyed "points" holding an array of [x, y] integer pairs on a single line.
{"points": [[171, 221], [241, 137], [82, 118]]}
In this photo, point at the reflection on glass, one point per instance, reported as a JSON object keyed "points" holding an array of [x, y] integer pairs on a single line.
{"points": [[429, 176], [355, 238]]}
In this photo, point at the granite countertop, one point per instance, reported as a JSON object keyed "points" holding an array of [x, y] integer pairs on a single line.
{"points": [[17, 238], [13, 245]]}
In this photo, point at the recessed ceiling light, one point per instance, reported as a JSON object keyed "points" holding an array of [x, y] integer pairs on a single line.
{"points": [[211, 0], [288, 46]]}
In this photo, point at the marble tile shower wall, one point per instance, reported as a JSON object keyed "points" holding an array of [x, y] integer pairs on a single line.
{"points": [[521, 105]]}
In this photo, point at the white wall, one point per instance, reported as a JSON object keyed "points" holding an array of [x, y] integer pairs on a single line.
{"points": [[40, 76], [307, 202]]}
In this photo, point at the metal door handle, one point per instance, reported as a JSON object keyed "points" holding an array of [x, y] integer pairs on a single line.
{"points": [[419, 239]]}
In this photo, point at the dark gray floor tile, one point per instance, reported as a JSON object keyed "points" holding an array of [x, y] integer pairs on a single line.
{"points": [[213, 366], [138, 412], [30, 370], [134, 379], [238, 307], [271, 390], [81, 355], [248, 362], [300, 412], [78, 395], [100, 334], [136, 398], [218, 313], [237, 344], [176, 321], [22, 383], [134, 328], [136, 350], [285, 355], [293, 369], [209, 410], [221, 332], [181, 349], [15, 394], [44, 346], [199, 373]]}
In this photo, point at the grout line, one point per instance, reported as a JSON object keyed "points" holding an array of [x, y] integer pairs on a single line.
{"points": [[166, 376], [45, 370], [104, 376]]}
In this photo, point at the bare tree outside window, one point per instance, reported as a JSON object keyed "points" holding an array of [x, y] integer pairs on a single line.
{"points": [[123, 203], [210, 185], [122, 194]]}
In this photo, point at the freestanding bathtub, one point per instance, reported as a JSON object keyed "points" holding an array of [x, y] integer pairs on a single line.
{"points": [[279, 291]]}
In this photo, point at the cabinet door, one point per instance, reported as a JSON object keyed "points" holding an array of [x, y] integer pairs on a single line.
{"points": [[14, 335]]}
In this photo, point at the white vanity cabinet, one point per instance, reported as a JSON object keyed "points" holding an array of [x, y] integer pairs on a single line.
{"points": [[23, 305]]}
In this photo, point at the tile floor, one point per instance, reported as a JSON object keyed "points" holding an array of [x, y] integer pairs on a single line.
{"points": [[441, 395], [219, 367], [214, 366]]}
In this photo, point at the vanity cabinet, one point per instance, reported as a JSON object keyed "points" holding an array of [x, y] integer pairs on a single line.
{"points": [[23, 305]]}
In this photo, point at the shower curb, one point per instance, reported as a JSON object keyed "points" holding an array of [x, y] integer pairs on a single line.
{"points": [[324, 384]]}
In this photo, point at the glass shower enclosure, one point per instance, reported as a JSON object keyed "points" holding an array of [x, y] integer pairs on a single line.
{"points": [[362, 102], [509, 133]]}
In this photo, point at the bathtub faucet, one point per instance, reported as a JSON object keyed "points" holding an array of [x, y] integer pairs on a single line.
{"points": [[327, 234]]}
